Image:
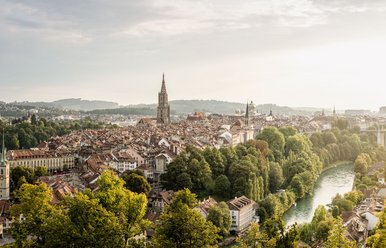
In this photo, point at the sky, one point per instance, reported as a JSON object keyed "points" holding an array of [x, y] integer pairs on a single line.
{"points": [[319, 53]]}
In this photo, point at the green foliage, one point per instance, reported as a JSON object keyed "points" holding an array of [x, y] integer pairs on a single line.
{"points": [[276, 178], [288, 131], [109, 218], [378, 240], [255, 239], [336, 236], [275, 205], [24, 135], [36, 208], [136, 183], [275, 140], [344, 145], [20, 175], [220, 216], [40, 172], [340, 123], [182, 226], [318, 230], [362, 162], [222, 186], [347, 202], [85, 223], [19, 171]]}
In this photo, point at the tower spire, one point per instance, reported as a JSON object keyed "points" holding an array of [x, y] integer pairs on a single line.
{"points": [[247, 114], [2, 159], [163, 87], [163, 110]]}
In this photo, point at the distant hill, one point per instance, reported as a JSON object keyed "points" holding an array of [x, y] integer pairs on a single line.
{"points": [[179, 107], [219, 107], [73, 104]]}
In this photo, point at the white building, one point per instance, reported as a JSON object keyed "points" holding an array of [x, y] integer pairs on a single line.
{"points": [[161, 162], [243, 213], [32, 158]]}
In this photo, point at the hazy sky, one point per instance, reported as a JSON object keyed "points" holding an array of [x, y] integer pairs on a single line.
{"points": [[289, 52]]}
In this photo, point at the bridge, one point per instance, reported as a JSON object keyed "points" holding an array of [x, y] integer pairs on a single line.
{"points": [[380, 133]]}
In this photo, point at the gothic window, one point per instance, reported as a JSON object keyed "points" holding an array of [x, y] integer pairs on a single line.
{"points": [[1, 171]]}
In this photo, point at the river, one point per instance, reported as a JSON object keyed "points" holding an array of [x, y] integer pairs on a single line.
{"points": [[335, 180]]}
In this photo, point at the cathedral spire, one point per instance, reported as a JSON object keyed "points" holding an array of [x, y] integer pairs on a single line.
{"points": [[247, 111], [163, 87], [247, 114], [163, 110]]}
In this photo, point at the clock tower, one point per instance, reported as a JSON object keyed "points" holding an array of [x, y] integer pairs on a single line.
{"points": [[4, 174]]}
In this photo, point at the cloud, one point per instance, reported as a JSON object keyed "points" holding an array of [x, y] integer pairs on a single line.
{"points": [[180, 16], [24, 19], [82, 21]]}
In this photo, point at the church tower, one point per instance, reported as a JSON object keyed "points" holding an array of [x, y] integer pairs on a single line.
{"points": [[4, 174], [247, 115], [163, 110]]}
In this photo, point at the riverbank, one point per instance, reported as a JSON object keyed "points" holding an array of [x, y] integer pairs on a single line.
{"points": [[336, 164]]}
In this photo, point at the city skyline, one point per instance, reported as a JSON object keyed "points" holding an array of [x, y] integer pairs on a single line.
{"points": [[290, 53]]}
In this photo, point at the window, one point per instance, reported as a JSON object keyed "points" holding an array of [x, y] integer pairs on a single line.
{"points": [[1, 171]]}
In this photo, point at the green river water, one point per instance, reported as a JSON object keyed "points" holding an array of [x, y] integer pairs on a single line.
{"points": [[335, 180]]}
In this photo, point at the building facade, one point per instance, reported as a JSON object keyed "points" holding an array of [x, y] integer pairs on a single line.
{"points": [[163, 110], [4, 175], [52, 160], [243, 213]]}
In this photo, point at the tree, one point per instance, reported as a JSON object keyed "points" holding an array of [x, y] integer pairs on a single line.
{"points": [[378, 240], [34, 120], [275, 140], [184, 181], [222, 186], [341, 124], [21, 181], [127, 206], [297, 186], [329, 138], [289, 238], [13, 143], [85, 224], [288, 131], [276, 178], [36, 208], [19, 171], [254, 239], [362, 162], [199, 173], [220, 216], [181, 226], [271, 206], [214, 159], [40, 171], [137, 183], [336, 236]]}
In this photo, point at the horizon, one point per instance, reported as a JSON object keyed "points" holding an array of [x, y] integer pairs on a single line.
{"points": [[312, 108], [289, 53]]}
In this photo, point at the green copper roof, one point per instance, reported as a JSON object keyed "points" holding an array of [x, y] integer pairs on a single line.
{"points": [[2, 158]]}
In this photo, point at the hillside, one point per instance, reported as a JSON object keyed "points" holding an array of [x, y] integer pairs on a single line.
{"points": [[73, 104], [209, 106]]}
